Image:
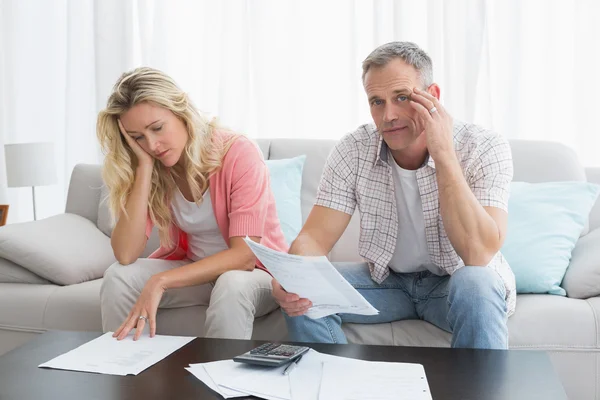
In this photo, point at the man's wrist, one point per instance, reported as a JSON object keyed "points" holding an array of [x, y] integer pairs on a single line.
{"points": [[448, 171], [446, 160], [305, 245]]}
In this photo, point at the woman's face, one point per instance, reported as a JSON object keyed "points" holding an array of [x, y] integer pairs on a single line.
{"points": [[157, 130]]}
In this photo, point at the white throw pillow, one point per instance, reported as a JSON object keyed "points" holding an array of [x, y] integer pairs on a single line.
{"points": [[65, 249]]}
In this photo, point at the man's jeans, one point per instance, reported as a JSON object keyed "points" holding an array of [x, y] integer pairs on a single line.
{"points": [[470, 304]]}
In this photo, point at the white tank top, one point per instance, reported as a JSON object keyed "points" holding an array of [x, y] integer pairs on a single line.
{"points": [[200, 224]]}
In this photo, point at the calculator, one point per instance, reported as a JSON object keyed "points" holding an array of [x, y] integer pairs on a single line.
{"points": [[272, 354]]}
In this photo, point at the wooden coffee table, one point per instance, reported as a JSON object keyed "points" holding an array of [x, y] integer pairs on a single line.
{"points": [[452, 373]]}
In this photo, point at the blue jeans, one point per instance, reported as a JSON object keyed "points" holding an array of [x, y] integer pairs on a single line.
{"points": [[471, 304]]}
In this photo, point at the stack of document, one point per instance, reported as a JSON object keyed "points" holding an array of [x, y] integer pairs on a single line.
{"points": [[313, 278], [107, 355], [317, 376], [233, 379]]}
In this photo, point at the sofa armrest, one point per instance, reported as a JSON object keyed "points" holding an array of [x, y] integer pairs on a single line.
{"points": [[84, 191], [582, 279]]}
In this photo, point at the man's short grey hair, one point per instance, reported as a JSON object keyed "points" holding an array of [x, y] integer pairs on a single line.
{"points": [[409, 52]]}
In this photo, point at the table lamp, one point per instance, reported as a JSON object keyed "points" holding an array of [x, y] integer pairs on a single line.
{"points": [[30, 164]]}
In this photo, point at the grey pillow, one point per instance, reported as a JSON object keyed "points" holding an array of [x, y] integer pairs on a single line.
{"points": [[65, 249], [13, 273], [582, 279]]}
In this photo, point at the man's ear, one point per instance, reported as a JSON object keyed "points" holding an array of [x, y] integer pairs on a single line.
{"points": [[434, 90]]}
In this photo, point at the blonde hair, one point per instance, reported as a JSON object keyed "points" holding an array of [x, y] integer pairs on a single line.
{"points": [[204, 151]]}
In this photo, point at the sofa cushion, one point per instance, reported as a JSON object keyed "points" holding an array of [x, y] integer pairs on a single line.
{"points": [[14, 273], [540, 322], [552, 322], [536, 161], [545, 221], [64, 249], [582, 279], [75, 307], [22, 306], [286, 185], [316, 153], [37, 308]]}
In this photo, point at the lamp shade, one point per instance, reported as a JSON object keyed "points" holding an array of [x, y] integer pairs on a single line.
{"points": [[30, 164]]}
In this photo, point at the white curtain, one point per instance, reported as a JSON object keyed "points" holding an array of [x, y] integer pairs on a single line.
{"points": [[280, 68]]}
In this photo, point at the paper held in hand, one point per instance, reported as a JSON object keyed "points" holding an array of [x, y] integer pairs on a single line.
{"points": [[313, 278]]}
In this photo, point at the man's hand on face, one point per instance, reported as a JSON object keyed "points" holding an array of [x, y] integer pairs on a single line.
{"points": [[435, 121]]}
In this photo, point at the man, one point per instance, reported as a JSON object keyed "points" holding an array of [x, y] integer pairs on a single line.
{"points": [[432, 195]]}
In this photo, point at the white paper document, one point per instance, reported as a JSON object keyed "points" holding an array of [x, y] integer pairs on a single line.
{"points": [[373, 381], [199, 372], [107, 355], [313, 278], [316, 377], [233, 379]]}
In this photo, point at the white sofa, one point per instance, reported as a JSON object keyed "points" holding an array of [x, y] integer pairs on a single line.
{"points": [[567, 328]]}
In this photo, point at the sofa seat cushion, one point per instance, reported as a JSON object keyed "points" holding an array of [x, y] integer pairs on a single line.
{"points": [[65, 249], [75, 308], [14, 273], [189, 321], [400, 333], [22, 306], [540, 322], [37, 308], [552, 322]]}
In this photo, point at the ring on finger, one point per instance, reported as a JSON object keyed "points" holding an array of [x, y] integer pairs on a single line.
{"points": [[143, 317]]}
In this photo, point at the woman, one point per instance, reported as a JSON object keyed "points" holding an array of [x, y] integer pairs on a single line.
{"points": [[205, 189]]}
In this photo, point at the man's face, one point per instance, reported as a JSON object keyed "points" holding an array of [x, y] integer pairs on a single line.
{"points": [[389, 89]]}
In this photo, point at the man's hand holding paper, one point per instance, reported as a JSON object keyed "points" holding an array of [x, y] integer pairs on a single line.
{"points": [[314, 281]]}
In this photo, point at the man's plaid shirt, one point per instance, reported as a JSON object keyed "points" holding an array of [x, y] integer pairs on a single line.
{"points": [[358, 173]]}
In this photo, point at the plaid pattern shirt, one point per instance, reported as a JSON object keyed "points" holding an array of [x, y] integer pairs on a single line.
{"points": [[358, 173]]}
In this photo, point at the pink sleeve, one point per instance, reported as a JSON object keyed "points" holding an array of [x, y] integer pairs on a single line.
{"points": [[250, 190]]}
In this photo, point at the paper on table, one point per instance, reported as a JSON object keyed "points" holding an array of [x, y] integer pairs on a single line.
{"points": [[374, 380], [222, 369], [305, 379], [199, 372], [264, 382], [314, 278], [107, 355], [308, 380]]}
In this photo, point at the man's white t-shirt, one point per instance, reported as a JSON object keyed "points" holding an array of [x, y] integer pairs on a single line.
{"points": [[411, 254]]}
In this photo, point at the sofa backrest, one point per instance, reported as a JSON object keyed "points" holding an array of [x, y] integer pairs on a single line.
{"points": [[316, 152], [593, 176], [534, 161], [83, 197]]}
